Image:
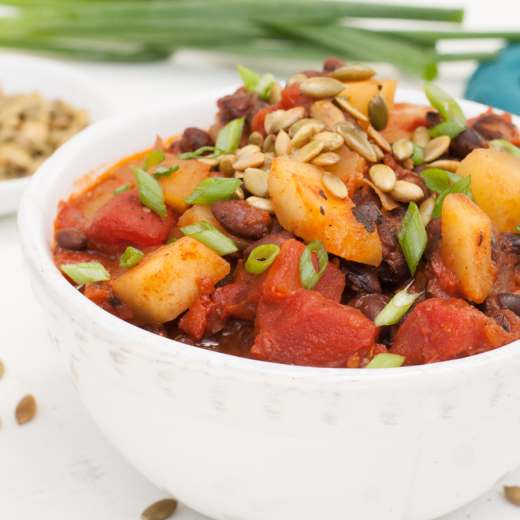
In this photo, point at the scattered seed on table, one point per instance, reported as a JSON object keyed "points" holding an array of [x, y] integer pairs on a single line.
{"points": [[160, 510], [1, 369], [26, 409], [512, 494]]}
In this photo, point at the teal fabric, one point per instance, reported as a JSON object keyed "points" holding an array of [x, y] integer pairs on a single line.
{"points": [[497, 83]]}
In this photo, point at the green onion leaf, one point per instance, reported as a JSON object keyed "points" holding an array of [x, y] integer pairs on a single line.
{"points": [[86, 272], [505, 146], [438, 180], [150, 192], [229, 136], [308, 275], [412, 237], [386, 361], [131, 257], [445, 104], [171, 241], [122, 189], [153, 159], [217, 152], [210, 237], [450, 128], [263, 89], [162, 172], [213, 189], [249, 77], [461, 186], [396, 308], [418, 155], [261, 258], [518, 228]]}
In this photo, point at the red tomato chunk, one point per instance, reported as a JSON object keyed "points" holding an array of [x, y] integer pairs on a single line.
{"points": [[125, 219]]}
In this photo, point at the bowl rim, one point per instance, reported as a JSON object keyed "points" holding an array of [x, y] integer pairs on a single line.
{"points": [[37, 259]]}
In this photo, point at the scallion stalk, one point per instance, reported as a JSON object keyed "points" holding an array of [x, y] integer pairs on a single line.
{"points": [[229, 136], [263, 88], [150, 192], [122, 189], [445, 104], [418, 155], [261, 258], [386, 361], [210, 237], [131, 257], [412, 237], [213, 189], [461, 186], [308, 275], [153, 159], [249, 77], [86, 272], [505, 146], [396, 308], [438, 180], [162, 172], [450, 128], [217, 152]]}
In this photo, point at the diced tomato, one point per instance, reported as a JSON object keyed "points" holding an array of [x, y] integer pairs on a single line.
{"points": [[257, 125], [440, 330], [102, 295], [195, 320], [309, 329], [292, 97], [284, 275], [125, 219], [70, 217]]}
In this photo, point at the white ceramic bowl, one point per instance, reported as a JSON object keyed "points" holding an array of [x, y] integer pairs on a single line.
{"points": [[239, 439], [21, 74]]}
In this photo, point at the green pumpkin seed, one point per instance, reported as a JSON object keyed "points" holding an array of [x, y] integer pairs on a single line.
{"points": [[378, 112], [268, 146], [238, 194], [327, 113], [356, 140], [256, 138], [301, 123], [402, 149], [320, 87], [353, 73], [161, 510], [343, 103]]}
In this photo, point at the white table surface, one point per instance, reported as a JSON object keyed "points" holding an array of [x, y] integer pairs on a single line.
{"points": [[59, 466]]}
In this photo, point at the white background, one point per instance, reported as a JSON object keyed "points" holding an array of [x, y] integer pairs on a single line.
{"points": [[59, 466]]}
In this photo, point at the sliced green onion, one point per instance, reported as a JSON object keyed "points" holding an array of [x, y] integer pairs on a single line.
{"points": [[131, 257], [153, 159], [518, 228], [249, 77], [86, 272], [261, 258], [445, 104], [122, 189], [438, 180], [217, 152], [396, 308], [386, 361], [171, 241], [213, 189], [418, 155], [450, 128], [263, 88], [229, 136], [412, 237], [308, 275], [210, 237], [150, 192], [461, 186], [162, 172], [505, 146]]}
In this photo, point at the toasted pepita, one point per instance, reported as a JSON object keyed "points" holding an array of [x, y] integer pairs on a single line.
{"points": [[305, 134], [251, 160], [383, 177], [282, 145], [343, 103], [320, 87], [402, 149], [327, 113], [255, 181], [256, 138], [301, 123], [331, 141], [512, 494], [378, 139], [406, 192], [353, 73], [226, 164], [260, 203], [378, 112], [426, 210], [436, 147], [161, 510], [421, 136], [326, 159], [309, 151], [335, 185], [296, 78], [26, 409], [268, 146], [449, 166], [356, 140], [275, 95]]}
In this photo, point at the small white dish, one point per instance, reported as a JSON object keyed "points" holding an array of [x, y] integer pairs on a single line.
{"points": [[21, 74], [239, 439]]}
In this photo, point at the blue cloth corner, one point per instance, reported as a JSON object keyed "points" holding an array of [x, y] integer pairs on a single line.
{"points": [[497, 83]]}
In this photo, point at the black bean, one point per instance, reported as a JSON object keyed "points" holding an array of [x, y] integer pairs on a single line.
{"points": [[465, 143], [492, 126], [331, 64], [513, 240], [510, 301], [71, 238], [195, 138], [360, 278]]}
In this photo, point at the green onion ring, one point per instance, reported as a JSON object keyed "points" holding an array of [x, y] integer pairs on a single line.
{"points": [[386, 361], [308, 275], [261, 258]]}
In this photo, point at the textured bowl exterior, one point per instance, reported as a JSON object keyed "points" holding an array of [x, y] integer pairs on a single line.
{"points": [[239, 439]]}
